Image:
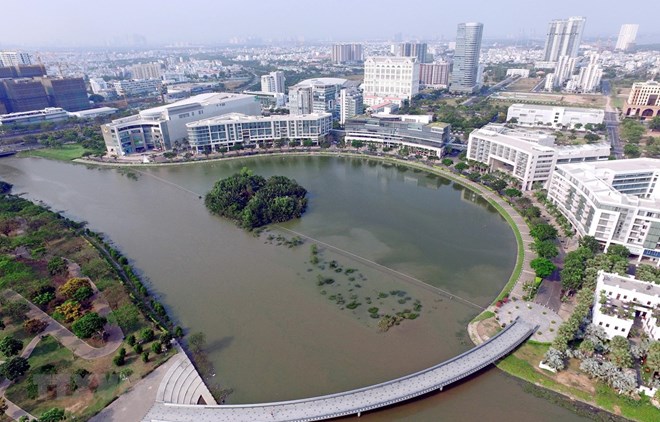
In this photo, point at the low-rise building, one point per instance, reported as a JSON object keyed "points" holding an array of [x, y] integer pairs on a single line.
{"points": [[160, 127], [138, 87], [416, 133], [619, 300], [530, 156], [643, 100], [234, 129], [614, 201], [48, 114], [523, 73], [537, 115]]}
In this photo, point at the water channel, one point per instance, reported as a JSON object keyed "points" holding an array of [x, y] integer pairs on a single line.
{"points": [[271, 334]]}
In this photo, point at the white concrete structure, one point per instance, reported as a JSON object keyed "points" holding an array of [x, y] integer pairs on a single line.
{"points": [[160, 127], [138, 87], [273, 82], [395, 78], [49, 114], [523, 73], [98, 85], [621, 299], [563, 72], [614, 201], [318, 95], [14, 58], [627, 36], [537, 115], [465, 75], [563, 38], [146, 71], [234, 129], [589, 77], [530, 156], [350, 104], [94, 112]]}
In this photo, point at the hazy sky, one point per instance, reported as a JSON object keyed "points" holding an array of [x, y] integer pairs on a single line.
{"points": [[94, 22]]}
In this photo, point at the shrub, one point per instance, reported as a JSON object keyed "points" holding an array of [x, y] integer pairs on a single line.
{"points": [[10, 346], [120, 358], [130, 340], [156, 347], [69, 288], [35, 326], [57, 265], [147, 335], [83, 293], [145, 357], [70, 310]]}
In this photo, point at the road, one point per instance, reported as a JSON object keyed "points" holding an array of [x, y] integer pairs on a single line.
{"points": [[497, 87], [612, 121]]}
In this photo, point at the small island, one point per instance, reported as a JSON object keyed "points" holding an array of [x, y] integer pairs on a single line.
{"points": [[253, 201]]}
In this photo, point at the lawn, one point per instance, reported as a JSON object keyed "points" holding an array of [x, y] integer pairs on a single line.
{"points": [[67, 152]]}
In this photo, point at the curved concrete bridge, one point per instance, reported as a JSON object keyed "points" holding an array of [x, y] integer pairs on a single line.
{"points": [[355, 401]]}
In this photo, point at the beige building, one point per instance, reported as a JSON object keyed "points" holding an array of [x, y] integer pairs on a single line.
{"points": [[392, 78], [644, 100]]}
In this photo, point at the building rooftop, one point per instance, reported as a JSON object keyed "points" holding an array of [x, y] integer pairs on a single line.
{"points": [[199, 100], [321, 81], [630, 283], [233, 117], [550, 107]]}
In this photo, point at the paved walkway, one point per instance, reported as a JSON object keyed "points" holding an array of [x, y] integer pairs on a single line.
{"points": [[66, 337], [356, 401], [134, 404], [548, 321]]}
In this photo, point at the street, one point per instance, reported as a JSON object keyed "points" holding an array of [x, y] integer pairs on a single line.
{"points": [[612, 121]]}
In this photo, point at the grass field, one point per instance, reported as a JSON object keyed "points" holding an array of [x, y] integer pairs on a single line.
{"points": [[68, 152], [523, 85]]}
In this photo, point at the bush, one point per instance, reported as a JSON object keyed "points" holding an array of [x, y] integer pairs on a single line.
{"points": [[147, 335], [130, 340], [83, 293], [156, 347], [70, 310], [34, 326], [69, 288], [120, 358], [17, 310], [52, 415], [145, 357], [14, 368], [10, 346], [57, 265], [88, 325]]}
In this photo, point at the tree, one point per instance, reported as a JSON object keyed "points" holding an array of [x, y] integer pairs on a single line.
{"points": [[546, 249], [591, 137], [120, 358], [555, 359], [14, 368], [447, 162], [632, 150], [96, 98], [357, 144], [10, 346], [197, 342], [52, 415], [147, 335], [498, 184], [653, 356], [618, 250], [156, 347], [17, 310], [69, 288], [590, 243], [461, 166], [620, 352], [512, 193], [88, 325], [145, 357], [35, 326], [531, 212], [543, 232], [654, 124], [542, 266], [57, 265]]}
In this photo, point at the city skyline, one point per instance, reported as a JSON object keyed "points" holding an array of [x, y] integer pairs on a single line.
{"points": [[179, 24]]}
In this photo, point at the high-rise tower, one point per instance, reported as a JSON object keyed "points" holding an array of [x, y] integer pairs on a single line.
{"points": [[465, 75], [564, 38]]}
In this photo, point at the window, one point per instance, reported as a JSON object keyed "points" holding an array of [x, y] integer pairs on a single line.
{"points": [[607, 325]]}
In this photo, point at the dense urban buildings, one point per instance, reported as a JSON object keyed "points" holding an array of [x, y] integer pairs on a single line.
{"points": [[161, 127], [619, 299], [643, 100], [589, 78], [390, 79], [134, 88], [417, 133], [627, 36], [319, 95], [411, 49], [14, 58], [563, 38], [234, 129], [273, 82], [617, 202], [347, 53], [466, 76], [146, 71], [530, 156], [434, 75], [554, 116]]}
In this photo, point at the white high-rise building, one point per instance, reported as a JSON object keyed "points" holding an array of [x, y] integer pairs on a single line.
{"points": [[390, 79], [14, 58], [273, 82], [563, 72], [627, 36], [564, 38], [350, 104], [590, 76], [146, 71], [412, 49], [347, 53], [319, 95], [465, 76]]}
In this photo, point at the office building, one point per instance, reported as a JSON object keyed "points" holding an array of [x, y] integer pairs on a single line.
{"points": [[273, 82], [98, 85], [14, 58], [67, 93], [135, 88], [18, 95], [268, 99], [146, 71], [554, 116], [319, 95], [620, 300], [23, 71], [350, 104], [465, 75], [390, 79], [347, 53], [564, 38], [412, 49], [434, 75], [643, 100], [530, 156], [49, 114], [627, 36], [235, 129], [617, 202], [161, 127], [417, 133]]}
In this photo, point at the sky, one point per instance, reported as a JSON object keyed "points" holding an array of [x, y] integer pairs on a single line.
{"points": [[70, 23]]}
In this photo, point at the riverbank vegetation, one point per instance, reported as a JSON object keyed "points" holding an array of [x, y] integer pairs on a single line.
{"points": [[59, 267], [253, 201]]}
